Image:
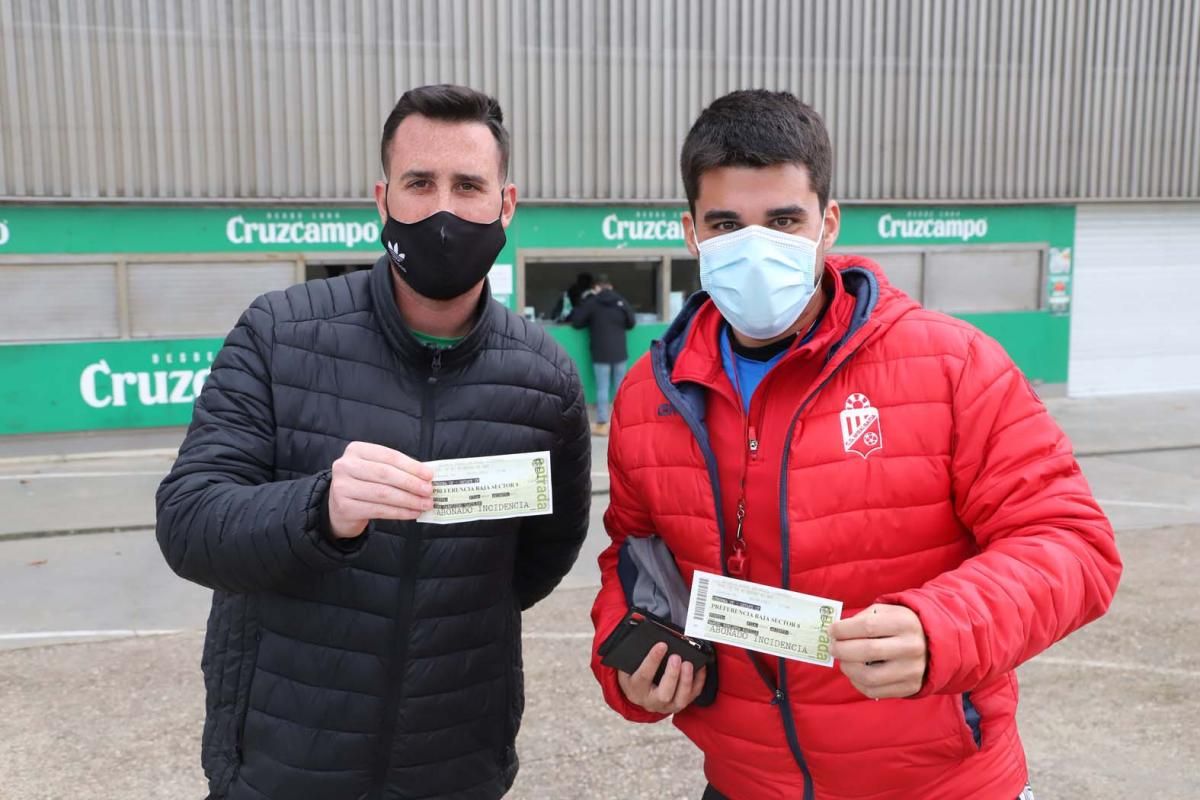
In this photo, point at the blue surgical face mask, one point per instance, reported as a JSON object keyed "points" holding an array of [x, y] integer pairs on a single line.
{"points": [[761, 280]]}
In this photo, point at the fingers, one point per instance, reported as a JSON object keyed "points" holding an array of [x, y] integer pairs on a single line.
{"points": [[871, 622], [383, 495], [678, 687], [356, 509], [388, 475], [687, 689], [664, 693], [375, 482], [877, 622], [683, 689], [877, 675], [643, 680], [698, 682], [385, 455], [890, 691], [902, 678], [863, 651]]}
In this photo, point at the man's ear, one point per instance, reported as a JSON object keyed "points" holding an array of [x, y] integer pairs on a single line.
{"points": [[689, 234], [833, 225], [508, 206], [381, 201]]}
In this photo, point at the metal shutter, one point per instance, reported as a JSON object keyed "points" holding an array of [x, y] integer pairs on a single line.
{"points": [[1134, 322]]}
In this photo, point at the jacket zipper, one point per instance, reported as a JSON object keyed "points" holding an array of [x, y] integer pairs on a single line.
{"points": [[781, 694], [407, 590], [778, 691], [737, 563], [696, 426]]}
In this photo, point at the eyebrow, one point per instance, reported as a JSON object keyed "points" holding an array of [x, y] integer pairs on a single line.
{"points": [[722, 214], [788, 211], [428, 175]]}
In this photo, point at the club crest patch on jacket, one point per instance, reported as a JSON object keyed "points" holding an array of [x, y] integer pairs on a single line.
{"points": [[862, 432]]}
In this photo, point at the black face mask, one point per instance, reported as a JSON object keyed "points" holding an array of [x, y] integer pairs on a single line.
{"points": [[442, 256]]}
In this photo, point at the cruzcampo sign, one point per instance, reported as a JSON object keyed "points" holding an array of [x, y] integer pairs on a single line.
{"points": [[31, 230], [899, 226], [71, 386], [93, 385], [56, 230]]}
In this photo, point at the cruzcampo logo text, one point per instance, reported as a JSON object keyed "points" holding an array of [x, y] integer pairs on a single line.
{"points": [[170, 378], [917, 225], [655, 226], [4, 232], [300, 228]]}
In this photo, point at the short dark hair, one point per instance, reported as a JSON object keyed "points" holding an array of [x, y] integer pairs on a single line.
{"points": [[757, 128], [448, 103]]}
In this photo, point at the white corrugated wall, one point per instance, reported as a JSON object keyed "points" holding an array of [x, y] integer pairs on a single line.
{"points": [[926, 99], [1135, 317]]}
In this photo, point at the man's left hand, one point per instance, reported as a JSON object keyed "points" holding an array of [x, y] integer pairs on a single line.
{"points": [[882, 650]]}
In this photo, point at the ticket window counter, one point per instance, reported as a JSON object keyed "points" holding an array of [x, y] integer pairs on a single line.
{"points": [[546, 282], [654, 282], [657, 286], [685, 281], [320, 266]]}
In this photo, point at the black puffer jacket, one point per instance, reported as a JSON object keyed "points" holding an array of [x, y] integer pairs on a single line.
{"points": [[389, 667], [607, 316]]}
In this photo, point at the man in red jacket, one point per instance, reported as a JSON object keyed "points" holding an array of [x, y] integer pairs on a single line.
{"points": [[805, 425]]}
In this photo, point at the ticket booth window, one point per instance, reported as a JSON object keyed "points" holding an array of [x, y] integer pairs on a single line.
{"points": [[685, 281], [546, 281], [317, 268]]}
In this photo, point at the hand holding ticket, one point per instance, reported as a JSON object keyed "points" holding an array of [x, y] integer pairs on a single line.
{"points": [[882, 650], [371, 481], [762, 618]]}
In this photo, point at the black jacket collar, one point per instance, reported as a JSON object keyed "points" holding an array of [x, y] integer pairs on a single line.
{"points": [[400, 338]]}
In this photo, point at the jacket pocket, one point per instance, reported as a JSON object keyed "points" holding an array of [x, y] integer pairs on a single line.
{"points": [[249, 672], [972, 720], [514, 684], [230, 655]]}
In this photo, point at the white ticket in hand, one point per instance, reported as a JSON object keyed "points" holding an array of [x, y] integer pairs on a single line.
{"points": [[762, 618], [492, 487]]}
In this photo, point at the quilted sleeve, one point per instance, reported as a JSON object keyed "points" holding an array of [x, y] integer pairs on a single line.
{"points": [[1048, 561], [549, 545], [625, 516], [223, 521]]}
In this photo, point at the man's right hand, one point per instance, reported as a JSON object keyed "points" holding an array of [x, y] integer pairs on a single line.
{"points": [[679, 686], [375, 482]]}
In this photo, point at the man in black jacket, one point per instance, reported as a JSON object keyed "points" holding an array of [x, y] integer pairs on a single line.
{"points": [[352, 651], [607, 316]]}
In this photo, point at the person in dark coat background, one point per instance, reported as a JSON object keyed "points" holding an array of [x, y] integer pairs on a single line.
{"points": [[352, 651], [607, 316]]}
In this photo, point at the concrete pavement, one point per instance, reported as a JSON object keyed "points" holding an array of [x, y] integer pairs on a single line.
{"points": [[1107, 714]]}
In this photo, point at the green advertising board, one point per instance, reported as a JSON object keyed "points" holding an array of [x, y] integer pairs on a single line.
{"points": [[94, 385], [73, 386]]}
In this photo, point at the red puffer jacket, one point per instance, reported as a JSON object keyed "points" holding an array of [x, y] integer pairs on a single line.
{"points": [[898, 457]]}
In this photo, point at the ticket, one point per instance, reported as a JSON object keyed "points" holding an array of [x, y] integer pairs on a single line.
{"points": [[493, 487], [762, 618]]}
